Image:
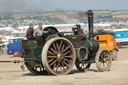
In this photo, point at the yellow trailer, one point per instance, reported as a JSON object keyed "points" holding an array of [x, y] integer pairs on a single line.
{"points": [[108, 41]]}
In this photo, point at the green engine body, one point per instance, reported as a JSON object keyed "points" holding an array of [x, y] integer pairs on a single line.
{"points": [[56, 52], [83, 46]]}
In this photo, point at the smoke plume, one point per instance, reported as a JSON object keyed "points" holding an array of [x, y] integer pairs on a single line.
{"points": [[21, 6]]}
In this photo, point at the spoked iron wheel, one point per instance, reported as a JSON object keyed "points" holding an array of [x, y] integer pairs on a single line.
{"points": [[82, 66], [58, 56], [36, 70], [103, 60]]}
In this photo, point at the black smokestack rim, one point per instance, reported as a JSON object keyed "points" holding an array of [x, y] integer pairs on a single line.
{"points": [[90, 13]]}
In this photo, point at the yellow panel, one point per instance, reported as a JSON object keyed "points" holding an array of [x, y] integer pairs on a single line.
{"points": [[106, 41]]}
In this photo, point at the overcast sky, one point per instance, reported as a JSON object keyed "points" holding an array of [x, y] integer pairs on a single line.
{"points": [[48, 5]]}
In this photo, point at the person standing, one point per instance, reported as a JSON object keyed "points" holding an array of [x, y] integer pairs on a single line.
{"points": [[30, 32], [38, 32]]}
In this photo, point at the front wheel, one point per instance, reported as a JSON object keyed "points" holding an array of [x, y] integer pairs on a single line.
{"points": [[103, 60]]}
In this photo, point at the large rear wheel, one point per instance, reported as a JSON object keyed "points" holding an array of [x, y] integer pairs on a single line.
{"points": [[58, 56]]}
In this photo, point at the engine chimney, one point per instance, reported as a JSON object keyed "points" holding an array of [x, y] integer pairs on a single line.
{"points": [[90, 23]]}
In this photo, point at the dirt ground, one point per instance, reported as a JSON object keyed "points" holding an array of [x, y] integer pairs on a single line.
{"points": [[11, 74]]}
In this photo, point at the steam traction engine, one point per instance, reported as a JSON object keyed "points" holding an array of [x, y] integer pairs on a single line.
{"points": [[57, 53]]}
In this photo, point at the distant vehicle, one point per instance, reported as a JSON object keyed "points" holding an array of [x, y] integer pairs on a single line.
{"points": [[14, 46], [121, 37]]}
